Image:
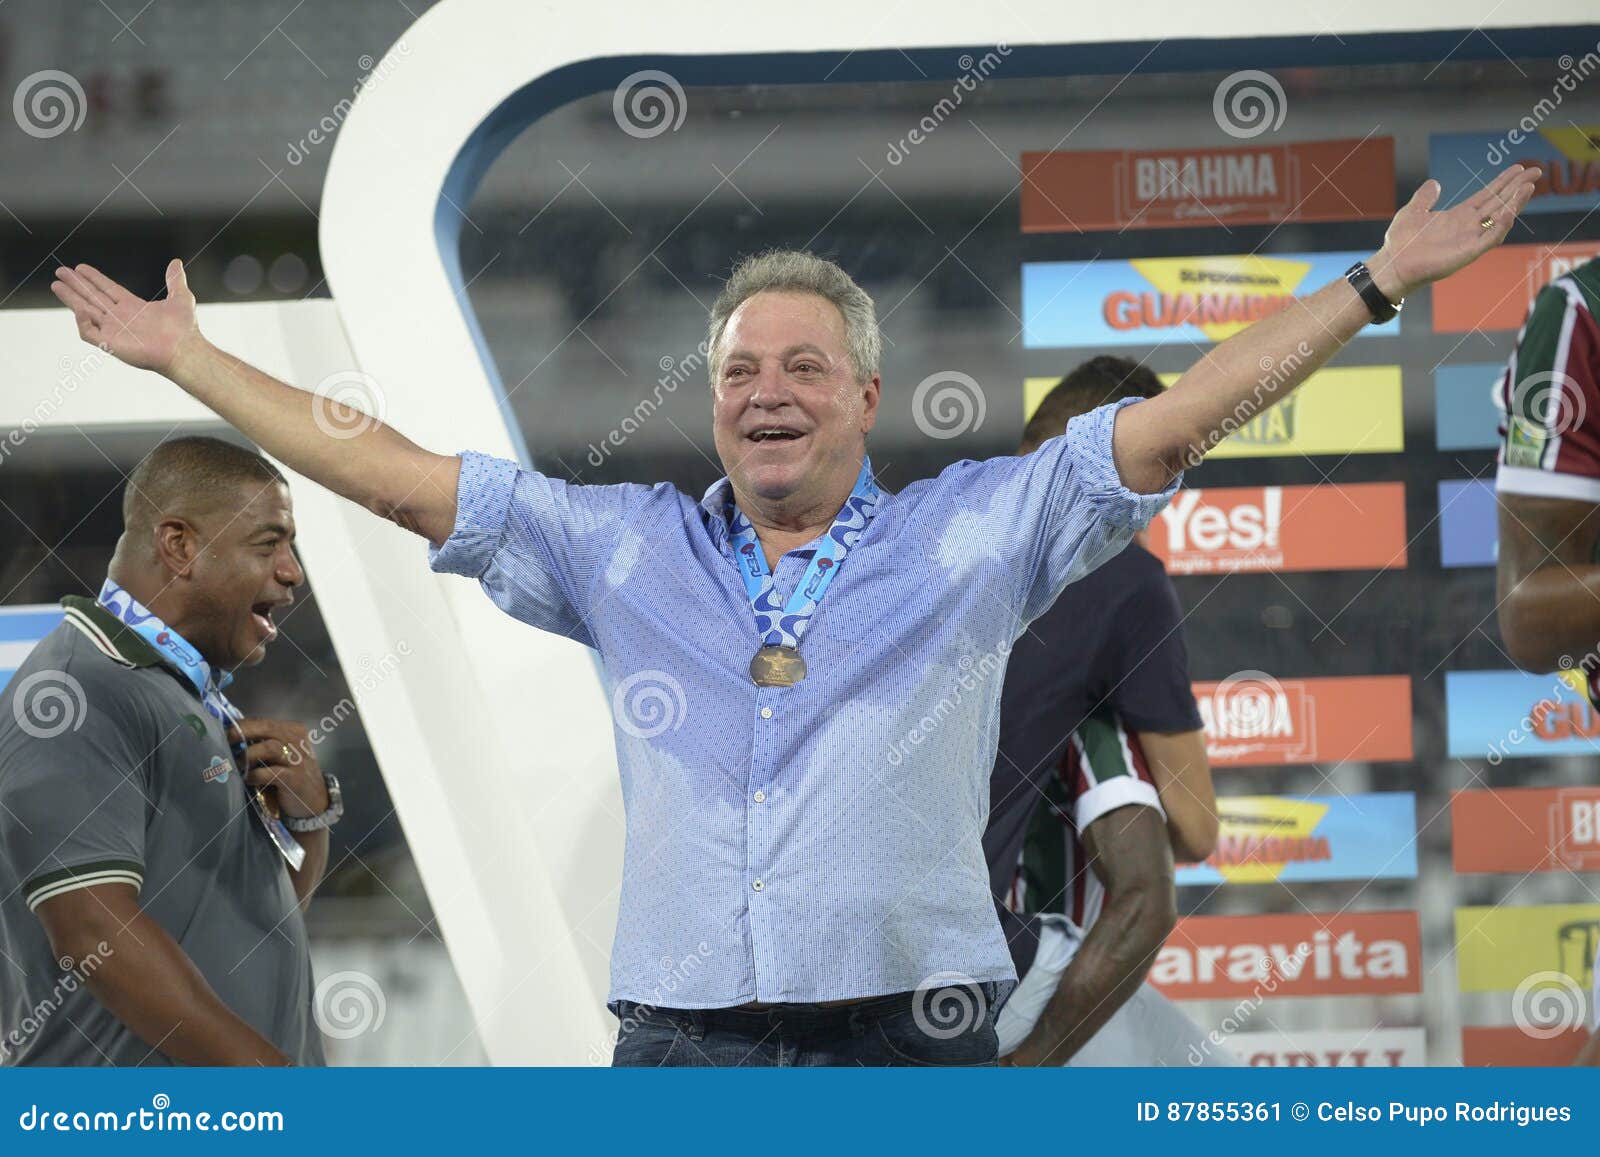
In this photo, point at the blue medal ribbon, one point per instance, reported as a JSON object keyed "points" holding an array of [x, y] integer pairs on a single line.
{"points": [[174, 648], [785, 626]]}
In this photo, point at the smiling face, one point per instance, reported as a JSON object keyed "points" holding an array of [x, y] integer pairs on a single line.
{"points": [[242, 569], [789, 418]]}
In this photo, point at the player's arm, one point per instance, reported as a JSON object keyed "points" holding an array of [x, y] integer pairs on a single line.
{"points": [[1182, 773], [140, 974], [1156, 438], [1548, 485], [1549, 583], [1129, 852], [376, 467]]}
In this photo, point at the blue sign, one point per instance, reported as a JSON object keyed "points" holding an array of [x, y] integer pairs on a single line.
{"points": [[1267, 839], [1497, 715], [1465, 416], [1567, 153], [1169, 300], [21, 628], [1468, 523]]}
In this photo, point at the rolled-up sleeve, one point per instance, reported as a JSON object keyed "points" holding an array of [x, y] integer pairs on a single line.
{"points": [[1074, 512], [534, 543], [483, 497]]}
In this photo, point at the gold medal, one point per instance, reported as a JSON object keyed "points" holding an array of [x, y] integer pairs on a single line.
{"points": [[267, 804], [777, 667]]}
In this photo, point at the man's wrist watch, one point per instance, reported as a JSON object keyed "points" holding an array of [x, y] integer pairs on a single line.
{"points": [[328, 818], [1381, 308]]}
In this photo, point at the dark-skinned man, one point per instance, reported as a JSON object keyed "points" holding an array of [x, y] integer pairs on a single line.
{"points": [[151, 887], [1101, 777], [1548, 484]]}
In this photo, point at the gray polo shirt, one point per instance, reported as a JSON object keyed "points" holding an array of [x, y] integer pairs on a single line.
{"points": [[111, 770]]}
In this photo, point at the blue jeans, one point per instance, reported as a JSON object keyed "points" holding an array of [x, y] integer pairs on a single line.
{"points": [[952, 1026]]}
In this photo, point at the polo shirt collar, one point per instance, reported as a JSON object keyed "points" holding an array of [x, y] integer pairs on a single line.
{"points": [[110, 636], [127, 631]]}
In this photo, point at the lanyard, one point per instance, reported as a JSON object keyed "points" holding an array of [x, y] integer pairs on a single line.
{"points": [[785, 626], [173, 647]]}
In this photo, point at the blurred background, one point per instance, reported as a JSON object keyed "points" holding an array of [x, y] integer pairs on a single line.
{"points": [[592, 257]]}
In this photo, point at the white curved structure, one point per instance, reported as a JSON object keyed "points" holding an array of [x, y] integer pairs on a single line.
{"points": [[494, 739]]}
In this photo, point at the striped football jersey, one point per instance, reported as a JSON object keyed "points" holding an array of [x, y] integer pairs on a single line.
{"points": [[1103, 769]]}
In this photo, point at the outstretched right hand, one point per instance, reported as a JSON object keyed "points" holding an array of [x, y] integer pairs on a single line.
{"points": [[146, 334]]}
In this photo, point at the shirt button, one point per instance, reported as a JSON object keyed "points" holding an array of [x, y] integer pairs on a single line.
{"points": [[766, 713], [761, 797], [757, 885]]}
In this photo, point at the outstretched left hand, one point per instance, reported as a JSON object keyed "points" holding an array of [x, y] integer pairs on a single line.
{"points": [[1423, 245]]}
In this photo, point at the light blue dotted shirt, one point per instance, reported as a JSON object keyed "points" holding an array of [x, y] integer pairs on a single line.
{"points": [[821, 841]]}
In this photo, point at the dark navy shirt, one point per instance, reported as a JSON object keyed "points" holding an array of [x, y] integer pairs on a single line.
{"points": [[1114, 641]]}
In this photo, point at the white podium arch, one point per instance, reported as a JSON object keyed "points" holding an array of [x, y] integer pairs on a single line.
{"points": [[494, 739]]}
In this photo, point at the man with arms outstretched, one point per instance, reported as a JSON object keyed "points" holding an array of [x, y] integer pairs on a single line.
{"points": [[800, 825]]}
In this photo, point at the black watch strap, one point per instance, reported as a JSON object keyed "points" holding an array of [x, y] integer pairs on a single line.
{"points": [[1381, 308]]}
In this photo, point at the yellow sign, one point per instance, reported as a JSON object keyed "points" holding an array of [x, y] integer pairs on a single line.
{"points": [[1347, 410], [1575, 143], [1499, 948]]}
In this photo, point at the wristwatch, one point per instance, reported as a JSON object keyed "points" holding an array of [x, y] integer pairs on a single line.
{"points": [[328, 818], [1382, 309]]}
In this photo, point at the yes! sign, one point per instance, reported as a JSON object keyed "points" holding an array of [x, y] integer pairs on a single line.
{"points": [[1283, 528]]}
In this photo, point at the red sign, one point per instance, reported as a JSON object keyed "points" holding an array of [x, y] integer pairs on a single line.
{"points": [[1283, 528], [1526, 829], [1508, 1046], [1253, 719], [1306, 954], [1495, 291], [1341, 180]]}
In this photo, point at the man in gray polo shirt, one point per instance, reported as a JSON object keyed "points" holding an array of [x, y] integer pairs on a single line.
{"points": [[150, 889]]}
